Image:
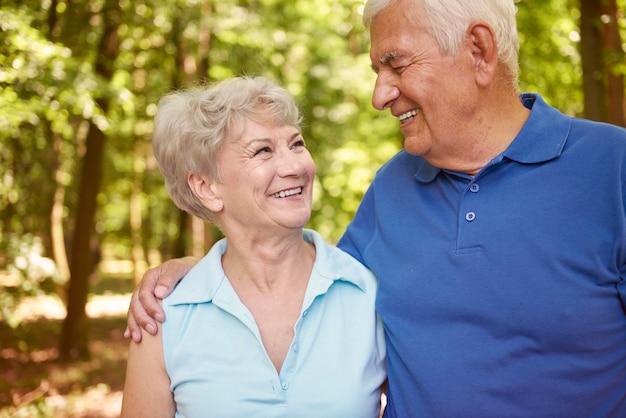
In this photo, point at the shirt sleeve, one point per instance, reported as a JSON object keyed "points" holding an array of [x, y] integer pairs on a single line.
{"points": [[359, 232]]}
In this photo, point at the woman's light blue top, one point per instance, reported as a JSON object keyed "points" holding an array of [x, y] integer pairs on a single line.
{"points": [[218, 366]]}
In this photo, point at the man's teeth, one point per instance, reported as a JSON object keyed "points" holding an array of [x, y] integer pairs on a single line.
{"points": [[406, 116], [285, 193]]}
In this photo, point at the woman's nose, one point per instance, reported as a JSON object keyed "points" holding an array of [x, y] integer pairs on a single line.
{"points": [[291, 164]]}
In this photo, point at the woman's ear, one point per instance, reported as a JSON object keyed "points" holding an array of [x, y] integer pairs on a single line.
{"points": [[485, 52], [205, 190]]}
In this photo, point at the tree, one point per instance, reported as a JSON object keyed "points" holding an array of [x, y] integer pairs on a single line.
{"points": [[602, 53], [74, 335], [60, 82]]}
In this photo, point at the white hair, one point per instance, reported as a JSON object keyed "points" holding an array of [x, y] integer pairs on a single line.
{"points": [[448, 20]]}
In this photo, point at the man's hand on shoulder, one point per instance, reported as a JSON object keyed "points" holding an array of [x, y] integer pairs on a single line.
{"points": [[157, 283]]}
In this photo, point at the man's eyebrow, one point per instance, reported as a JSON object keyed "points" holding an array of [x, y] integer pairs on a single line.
{"points": [[388, 57], [385, 60]]}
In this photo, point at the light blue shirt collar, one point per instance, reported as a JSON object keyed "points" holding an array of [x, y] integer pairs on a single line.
{"points": [[198, 288]]}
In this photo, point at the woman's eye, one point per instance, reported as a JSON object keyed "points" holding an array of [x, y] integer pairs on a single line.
{"points": [[262, 150], [299, 143]]}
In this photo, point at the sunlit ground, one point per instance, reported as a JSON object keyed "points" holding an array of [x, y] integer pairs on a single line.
{"points": [[50, 307], [34, 384]]}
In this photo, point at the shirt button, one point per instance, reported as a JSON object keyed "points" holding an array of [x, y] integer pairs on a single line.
{"points": [[285, 386], [295, 347], [474, 188], [470, 216], [305, 312]]}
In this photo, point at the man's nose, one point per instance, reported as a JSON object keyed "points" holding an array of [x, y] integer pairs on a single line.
{"points": [[385, 91]]}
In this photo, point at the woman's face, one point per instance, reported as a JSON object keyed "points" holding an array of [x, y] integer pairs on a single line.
{"points": [[266, 179]]}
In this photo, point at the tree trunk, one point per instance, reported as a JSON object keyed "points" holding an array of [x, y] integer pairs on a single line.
{"points": [[594, 83], [57, 235], [74, 337], [204, 40], [136, 217], [179, 248], [615, 56], [74, 341], [601, 52], [192, 229]]}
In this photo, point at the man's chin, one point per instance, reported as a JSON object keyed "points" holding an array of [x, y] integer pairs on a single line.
{"points": [[415, 146]]}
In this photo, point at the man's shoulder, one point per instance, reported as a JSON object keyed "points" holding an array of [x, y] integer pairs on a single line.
{"points": [[401, 163], [606, 129]]}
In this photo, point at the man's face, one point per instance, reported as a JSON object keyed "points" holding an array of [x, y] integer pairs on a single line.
{"points": [[428, 92]]}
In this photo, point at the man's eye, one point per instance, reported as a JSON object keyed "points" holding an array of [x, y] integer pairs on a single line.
{"points": [[262, 151]]}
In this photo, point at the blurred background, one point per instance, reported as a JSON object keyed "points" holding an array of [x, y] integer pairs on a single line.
{"points": [[83, 210]]}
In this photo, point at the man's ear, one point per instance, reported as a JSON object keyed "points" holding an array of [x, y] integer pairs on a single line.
{"points": [[484, 47], [204, 189]]}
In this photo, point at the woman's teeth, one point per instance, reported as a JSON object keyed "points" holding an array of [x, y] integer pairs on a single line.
{"points": [[286, 193]]}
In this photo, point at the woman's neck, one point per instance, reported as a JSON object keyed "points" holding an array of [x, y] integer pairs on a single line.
{"points": [[268, 263], [270, 277]]}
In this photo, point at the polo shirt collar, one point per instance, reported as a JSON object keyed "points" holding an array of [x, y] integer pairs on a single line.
{"points": [[541, 139], [203, 282]]}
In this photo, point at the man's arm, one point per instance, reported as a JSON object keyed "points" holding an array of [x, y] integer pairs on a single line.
{"points": [[157, 283]]}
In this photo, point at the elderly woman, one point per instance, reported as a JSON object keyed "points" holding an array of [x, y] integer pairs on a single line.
{"points": [[272, 322]]}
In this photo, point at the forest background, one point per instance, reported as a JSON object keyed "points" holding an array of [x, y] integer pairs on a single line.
{"points": [[83, 210]]}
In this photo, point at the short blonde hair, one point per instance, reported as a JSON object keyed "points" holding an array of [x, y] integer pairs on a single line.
{"points": [[191, 126]]}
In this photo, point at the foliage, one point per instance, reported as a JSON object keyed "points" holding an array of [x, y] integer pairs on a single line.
{"points": [[549, 56], [318, 49], [47, 86], [30, 269]]}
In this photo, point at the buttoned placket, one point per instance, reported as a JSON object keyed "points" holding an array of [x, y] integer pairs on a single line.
{"points": [[468, 214]]}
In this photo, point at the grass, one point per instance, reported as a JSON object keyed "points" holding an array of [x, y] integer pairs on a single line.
{"points": [[34, 383]]}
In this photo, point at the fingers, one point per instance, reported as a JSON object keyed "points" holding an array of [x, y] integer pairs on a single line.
{"points": [[138, 317], [145, 306], [133, 330], [170, 273], [148, 308]]}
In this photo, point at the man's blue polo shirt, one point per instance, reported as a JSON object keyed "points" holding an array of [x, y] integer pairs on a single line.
{"points": [[503, 295], [218, 365]]}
